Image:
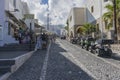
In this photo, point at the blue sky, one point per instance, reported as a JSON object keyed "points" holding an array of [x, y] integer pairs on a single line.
{"points": [[44, 1]]}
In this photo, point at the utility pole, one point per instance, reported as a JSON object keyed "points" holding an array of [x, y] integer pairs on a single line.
{"points": [[115, 26], [48, 21], [101, 20], [48, 18], [30, 47]]}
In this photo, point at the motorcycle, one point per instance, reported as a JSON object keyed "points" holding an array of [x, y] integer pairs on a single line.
{"points": [[88, 42], [82, 43], [73, 40], [104, 49], [93, 48]]}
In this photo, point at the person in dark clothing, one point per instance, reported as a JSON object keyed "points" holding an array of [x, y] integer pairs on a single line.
{"points": [[44, 38], [20, 35]]}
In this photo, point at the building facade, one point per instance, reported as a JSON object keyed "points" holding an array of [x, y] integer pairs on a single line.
{"points": [[10, 20], [76, 19]]}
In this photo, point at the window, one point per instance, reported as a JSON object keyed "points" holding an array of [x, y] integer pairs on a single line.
{"points": [[105, 0], [14, 3], [92, 9], [9, 29]]}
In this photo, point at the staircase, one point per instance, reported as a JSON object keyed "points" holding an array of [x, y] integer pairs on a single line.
{"points": [[9, 66], [5, 65], [17, 47]]}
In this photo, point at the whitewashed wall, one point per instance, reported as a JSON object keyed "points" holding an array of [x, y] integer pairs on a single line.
{"points": [[2, 23], [7, 5], [97, 9], [25, 8]]}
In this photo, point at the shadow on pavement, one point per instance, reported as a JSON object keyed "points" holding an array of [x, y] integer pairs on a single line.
{"points": [[62, 67], [115, 56]]}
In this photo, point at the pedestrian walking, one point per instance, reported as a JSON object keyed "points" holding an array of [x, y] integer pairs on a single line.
{"points": [[45, 40], [20, 38], [38, 43]]}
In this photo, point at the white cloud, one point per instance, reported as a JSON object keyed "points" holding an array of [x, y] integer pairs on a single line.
{"points": [[59, 9]]}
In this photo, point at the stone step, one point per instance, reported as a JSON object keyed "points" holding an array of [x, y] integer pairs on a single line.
{"points": [[17, 47], [16, 44], [7, 62], [5, 69]]}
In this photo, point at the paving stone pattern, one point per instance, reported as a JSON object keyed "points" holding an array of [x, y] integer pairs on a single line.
{"points": [[58, 67], [61, 68], [31, 69], [98, 67]]}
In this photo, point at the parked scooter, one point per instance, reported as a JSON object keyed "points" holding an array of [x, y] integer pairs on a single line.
{"points": [[88, 42], [82, 43], [103, 48], [93, 48], [79, 41], [73, 40]]}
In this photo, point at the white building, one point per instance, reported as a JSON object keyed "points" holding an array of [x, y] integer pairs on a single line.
{"points": [[33, 24], [94, 13], [25, 8], [11, 12], [76, 19], [30, 21]]}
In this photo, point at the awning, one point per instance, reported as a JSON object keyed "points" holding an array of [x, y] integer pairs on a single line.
{"points": [[11, 16], [15, 21], [37, 25], [23, 24]]}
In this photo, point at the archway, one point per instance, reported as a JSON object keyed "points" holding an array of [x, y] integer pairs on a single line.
{"points": [[79, 31]]}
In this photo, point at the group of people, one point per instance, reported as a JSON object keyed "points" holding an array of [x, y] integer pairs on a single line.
{"points": [[41, 41], [23, 36]]}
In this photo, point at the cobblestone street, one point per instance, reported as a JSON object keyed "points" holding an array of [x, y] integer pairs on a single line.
{"points": [[65, 61], [60, 40], [58, 67], [31, 69]]}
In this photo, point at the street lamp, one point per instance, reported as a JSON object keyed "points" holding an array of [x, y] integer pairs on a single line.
{"points": [[115, 26]]}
